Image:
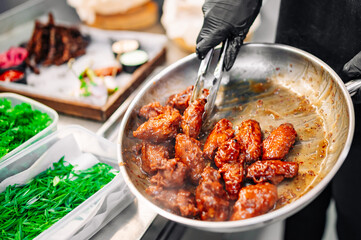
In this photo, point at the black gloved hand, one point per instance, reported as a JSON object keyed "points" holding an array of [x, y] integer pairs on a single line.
{"points": [[226, 19], [353, 67], [353, 70]]}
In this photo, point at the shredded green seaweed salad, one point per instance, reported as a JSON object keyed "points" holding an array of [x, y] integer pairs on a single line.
{"points": [[18, 124], [28, 210]]}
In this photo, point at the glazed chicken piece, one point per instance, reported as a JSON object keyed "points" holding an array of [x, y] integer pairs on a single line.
{"points": [[187, 203], [254, 200], [192, 118], [151, 110], [279, 142], [233, 177], [188, 150], [222, 131], [179, 201], [228, 152], [273, 171], [211, 198], [171, 175], [180, 101], [230, 162], [154, 109], [250, 137], [153, 156], [161, 128]]}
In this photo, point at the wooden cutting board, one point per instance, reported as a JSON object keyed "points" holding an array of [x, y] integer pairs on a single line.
{"points": [[40, 87]]}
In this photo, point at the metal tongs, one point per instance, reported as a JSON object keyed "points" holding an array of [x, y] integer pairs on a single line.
{"points": [[201, 79]]}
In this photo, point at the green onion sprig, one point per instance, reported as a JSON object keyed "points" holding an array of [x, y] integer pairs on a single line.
{"points": [[18, 124], [28, 210]]}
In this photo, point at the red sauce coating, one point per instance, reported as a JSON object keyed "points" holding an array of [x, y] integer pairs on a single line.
{"points": [[230, 163], [153, 156], [279, 142], [211, 198], [254, 200], [172, 174], [151, 110], [188, 150], [180, 101], [250, 137], [192, 118], [179, 201], [273, 171], [159, 129], [222, 131]]}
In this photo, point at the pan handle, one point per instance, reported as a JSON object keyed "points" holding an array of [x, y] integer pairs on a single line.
{"points": [[352, 86]]}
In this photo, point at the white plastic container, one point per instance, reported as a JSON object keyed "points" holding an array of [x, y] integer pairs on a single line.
{"points": [[18, 99], [94, 213]]}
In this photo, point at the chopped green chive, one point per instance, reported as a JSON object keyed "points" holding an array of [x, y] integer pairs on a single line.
{"points": [[28, 210], [18, 124]]}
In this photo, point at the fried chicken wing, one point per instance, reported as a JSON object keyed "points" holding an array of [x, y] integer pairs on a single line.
{"points": [[273, 171], [171, 175], [279, 142], [230, 161], [180, 101], [188, 150], [250, 137], [192, 118], [254, 200], [211, 198], [153, 156], [161, 128], [222, 131], [179, 201]]}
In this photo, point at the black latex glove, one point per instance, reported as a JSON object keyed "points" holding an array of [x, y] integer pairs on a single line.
{"points": [[353, 70], [226, 19], [353, 67]]}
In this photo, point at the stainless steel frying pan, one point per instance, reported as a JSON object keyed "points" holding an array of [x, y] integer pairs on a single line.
{"points": [[272, 84]]}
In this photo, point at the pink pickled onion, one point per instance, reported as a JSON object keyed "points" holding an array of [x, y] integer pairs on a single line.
{"points": [[13, 57]]}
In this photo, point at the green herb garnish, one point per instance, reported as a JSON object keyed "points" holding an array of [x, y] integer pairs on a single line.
{"points": [[87, 78], [18, 124], [28, 210]]}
